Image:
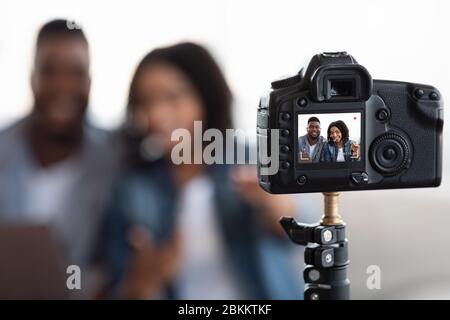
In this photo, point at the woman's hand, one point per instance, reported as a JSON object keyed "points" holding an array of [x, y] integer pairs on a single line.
{"points": [[152, 267], [356, 150], [273, 207]]}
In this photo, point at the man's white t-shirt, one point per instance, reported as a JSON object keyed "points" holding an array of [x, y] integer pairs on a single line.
{"points": [[311, 149], [48, 190]]}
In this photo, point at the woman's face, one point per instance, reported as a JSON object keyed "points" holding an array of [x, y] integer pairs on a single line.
{"points": [[165, 100], [335, 134]]}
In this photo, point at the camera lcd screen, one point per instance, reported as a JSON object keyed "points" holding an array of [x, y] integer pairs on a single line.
{"points": [[329, 138]]}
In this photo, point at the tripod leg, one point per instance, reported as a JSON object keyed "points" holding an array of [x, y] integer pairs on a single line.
{"points": [[325, 274]]}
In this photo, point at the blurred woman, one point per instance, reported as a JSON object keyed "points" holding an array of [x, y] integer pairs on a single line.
{"points": [[191, 231], [338, 147]]}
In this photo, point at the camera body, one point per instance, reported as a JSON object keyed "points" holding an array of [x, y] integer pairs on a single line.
{"points": [[339, 130]]}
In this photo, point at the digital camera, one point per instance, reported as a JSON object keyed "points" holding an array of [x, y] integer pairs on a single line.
{"points": [[339, 130]]}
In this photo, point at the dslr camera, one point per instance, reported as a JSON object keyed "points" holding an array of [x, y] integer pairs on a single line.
{"points": [[339, 130]]}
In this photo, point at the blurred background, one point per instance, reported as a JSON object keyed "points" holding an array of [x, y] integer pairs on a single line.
{"points": [[402, 231]]}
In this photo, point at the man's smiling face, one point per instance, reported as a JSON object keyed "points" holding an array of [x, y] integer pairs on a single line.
{"points": [[313, 129]]}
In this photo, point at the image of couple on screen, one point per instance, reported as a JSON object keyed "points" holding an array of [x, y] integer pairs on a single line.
{"points": [[336, 147]]}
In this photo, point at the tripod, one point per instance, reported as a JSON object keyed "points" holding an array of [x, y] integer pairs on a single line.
{"points": [[326, 252]]}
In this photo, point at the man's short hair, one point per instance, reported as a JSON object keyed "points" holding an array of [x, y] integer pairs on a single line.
{"points": [[313, 119], [60, 28]]}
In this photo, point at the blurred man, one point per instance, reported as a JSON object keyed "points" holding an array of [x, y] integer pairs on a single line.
{"points": [[311, 144], [55, 168]]}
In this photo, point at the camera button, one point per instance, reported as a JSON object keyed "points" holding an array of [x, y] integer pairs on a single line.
{"points": [[382, 114], [285, 149], [434, 95], [419, 93], [286, 116], [302, 180], [360, 177], [302, 102], [285, 133], [285, 165]]}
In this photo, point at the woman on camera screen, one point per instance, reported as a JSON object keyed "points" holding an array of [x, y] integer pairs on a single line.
{"points": [[339, 148]]}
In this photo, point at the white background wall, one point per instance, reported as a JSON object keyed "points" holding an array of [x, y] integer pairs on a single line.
{"points": [[255, 42]]}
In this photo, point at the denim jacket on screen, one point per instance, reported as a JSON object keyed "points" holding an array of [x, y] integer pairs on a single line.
{"points": [[330, 152]]}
